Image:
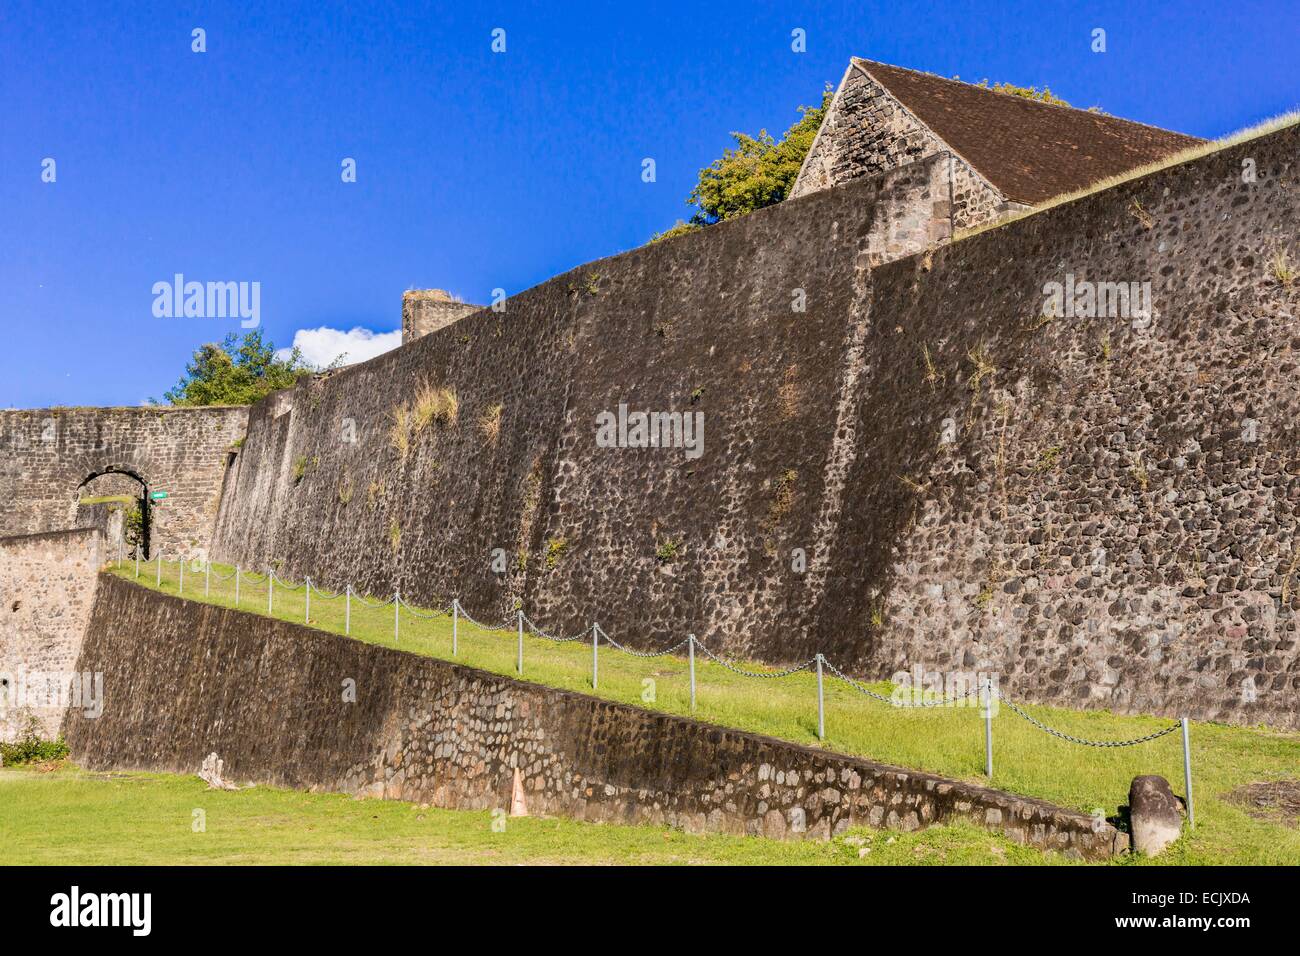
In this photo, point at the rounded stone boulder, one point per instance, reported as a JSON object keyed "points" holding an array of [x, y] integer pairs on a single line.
{"points": [[1155, 814]]}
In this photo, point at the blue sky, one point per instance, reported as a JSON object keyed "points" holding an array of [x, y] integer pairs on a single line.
{"points": [[475, 170]]}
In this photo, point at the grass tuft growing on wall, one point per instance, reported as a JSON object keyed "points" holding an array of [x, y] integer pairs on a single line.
{"points": [[490, 423], [434, 405]]}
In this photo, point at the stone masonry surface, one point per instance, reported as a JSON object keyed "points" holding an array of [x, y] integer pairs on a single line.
{"points": [[47, 589], [427, 310], [920, 468], [184, 679], [47, 454], [867, 133]]}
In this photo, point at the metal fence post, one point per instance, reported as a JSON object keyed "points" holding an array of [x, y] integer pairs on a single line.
{"points": [[306, 614], [690, 645], [236, 585], [270, 592], [160, 567], [1187, 775], [137, 560], [988, 729], [595, 654], [347, 611], [397, 614], [821, 703], [207, 578], [519, 665], [180, 580], [455, 623]]}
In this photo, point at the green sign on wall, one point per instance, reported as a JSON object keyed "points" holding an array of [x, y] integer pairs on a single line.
{"points": [[157, 495]]}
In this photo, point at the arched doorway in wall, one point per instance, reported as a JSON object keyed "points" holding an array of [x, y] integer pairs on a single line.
{"points": [[116, 502]]}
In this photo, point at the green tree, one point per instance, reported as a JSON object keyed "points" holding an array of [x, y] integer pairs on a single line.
{"points": [[758, 172], [234, 372], [133, 527]]}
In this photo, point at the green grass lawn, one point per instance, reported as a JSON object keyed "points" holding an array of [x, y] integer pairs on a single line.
{"points": [[74, 817], [949, 741]]}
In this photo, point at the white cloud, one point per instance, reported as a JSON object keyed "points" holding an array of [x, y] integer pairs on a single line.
{"points": [[322, 346]]}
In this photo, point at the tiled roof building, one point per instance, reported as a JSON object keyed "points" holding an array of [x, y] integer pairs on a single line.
{"points": [[1008, 151]]}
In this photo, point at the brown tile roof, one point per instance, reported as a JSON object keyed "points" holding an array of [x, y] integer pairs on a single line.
{"points": [[1029, 151]]}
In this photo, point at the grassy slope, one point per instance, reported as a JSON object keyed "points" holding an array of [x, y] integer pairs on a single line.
{"points": [[941, 740], [72, 817]]}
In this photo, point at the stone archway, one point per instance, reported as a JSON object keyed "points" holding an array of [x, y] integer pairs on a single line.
{"points": [[48, 455], [117, 502]]}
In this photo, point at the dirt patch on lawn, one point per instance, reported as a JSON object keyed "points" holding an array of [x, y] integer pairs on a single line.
{"points": [[1277, 801]]}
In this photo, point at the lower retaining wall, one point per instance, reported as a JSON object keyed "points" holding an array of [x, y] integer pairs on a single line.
{"points": [[288, 705], [47, 590]]}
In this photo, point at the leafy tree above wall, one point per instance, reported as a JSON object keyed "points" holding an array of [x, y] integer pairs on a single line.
{"points": [[235, 372], [758, 172]]}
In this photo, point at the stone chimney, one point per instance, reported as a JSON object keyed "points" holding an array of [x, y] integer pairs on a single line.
{"points": [[427, 310]]}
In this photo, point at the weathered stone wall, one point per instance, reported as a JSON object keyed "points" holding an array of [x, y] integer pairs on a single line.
{"points": [[913, 209], [1103, 510], [113, 484], [714, 327], [184, 679], [427, 310], [47, 590], [916, 469], [47, 454], [867, 133], [109, 519]]}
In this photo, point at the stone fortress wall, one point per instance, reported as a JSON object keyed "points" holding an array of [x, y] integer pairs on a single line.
{"points": [[428, 310], [290, 706], [46, 455], [866, 134], [904, 462], [47, 590]]}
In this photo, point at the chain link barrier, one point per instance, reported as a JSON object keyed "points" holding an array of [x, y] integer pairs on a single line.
{"points": [[483, 627], [425, 616], [766, 675], [862, 689], [644, 654], [325, 595], [538, 632], [1083, 741], [455, 606]]}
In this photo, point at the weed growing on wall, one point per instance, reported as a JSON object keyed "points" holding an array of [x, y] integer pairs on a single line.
{"points": [[399, 433], [434, 405], [782, 502], [31, 747], [667, 550], [1283, 270], [790, 394], [490, 423], [1141, 215], [532, 497], [1048, 458], [982, 368]]}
